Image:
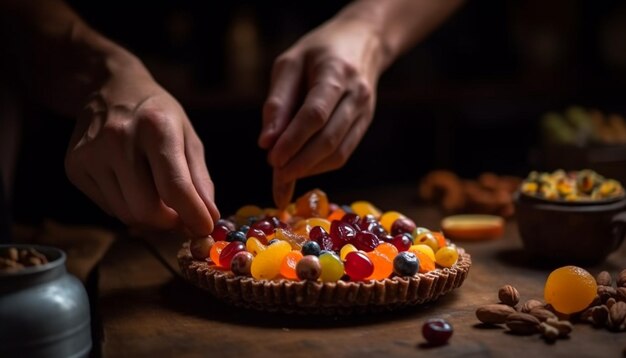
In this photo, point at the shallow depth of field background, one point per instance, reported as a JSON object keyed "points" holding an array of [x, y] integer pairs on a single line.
{"points": [[468, 99]]}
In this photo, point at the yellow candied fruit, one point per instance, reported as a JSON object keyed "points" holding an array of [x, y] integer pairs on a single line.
{"points": [[565, 187], [425, 249], [303, 227], [345, 250], [608, 187], [266, 265], [254, 246], [363, 208], [570, 289], [387, 219], [530, 188], [246, 212]]}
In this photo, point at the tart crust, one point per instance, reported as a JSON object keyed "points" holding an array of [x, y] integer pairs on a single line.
{"points": [[308, 297]]}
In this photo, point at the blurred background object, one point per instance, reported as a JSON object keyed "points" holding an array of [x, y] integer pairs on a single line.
{"points": [[488, 194], [469, 99]]}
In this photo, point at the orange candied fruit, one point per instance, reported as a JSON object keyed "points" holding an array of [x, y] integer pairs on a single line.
{"points": [[216, 250], [288, 265], [312, 204], [383, 265], [570, 289]]}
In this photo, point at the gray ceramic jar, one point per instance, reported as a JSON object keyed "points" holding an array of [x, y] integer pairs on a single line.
{"points": [[44, 310]]}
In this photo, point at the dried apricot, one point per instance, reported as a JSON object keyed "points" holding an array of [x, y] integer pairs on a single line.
{"points": [[570, 289]]}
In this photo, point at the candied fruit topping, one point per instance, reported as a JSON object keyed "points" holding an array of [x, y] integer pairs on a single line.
{"points": [[288, 266], [312, 204], [363, 208], [570, 289], [316, 240]]}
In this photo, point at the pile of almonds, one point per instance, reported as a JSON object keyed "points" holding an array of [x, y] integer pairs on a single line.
{"points": [[13, 259], [532, 317], [608, 310]]}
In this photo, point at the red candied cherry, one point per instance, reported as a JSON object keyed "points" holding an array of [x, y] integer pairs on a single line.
{"points": [[402, 226], [402, 242], [365, 241], [437, 331], [351, 218], [220, 231]]}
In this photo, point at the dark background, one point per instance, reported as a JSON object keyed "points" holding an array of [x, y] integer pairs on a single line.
{"points": [[467, 99]]}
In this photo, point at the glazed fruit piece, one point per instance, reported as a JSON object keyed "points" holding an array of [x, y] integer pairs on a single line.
{"points": [[437, 331]]}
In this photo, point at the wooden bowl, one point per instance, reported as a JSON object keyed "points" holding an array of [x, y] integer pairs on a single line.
{"points": [[570, 232]]}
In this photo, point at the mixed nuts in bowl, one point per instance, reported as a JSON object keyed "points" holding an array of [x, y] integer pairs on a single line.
{"points": [[573, 217]]}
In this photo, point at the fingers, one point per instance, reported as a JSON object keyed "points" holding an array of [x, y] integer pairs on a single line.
{"points": [[286, 82], [140, 195], [166, 156], [194, 151], [324, 144], [328, 147], [345, 150], [320, 102]]}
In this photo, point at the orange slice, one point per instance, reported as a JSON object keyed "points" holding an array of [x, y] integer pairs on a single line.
{"points": [[473, 227]]}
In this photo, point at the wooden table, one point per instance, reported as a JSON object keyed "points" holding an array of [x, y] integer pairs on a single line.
{"points": [[146, 310]]}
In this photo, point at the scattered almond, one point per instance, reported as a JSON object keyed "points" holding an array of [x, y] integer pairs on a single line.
{"points": [[606, 292], [617, 314], [522, 323], [542, 314], [548, 332], [599, 315], [508, 295], [530, 304], [494, 313], [564, 327], [621, 279], [604, 279]]}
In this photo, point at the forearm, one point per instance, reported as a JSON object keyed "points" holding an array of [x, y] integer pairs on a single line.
{"points": [[59, 58], [399, 24]]}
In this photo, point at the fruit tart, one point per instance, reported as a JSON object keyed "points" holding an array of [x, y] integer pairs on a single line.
{"points": [[317, 257]]}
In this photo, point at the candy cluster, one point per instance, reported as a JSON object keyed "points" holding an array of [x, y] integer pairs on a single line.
{"points": [[571, 186], [317, 240]]}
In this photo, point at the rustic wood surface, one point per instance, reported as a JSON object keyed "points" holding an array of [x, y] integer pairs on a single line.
{"points": [[147, 310]]}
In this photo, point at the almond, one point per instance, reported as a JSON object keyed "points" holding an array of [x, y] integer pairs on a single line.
{"points": [[599, 315], [548, 332], [494, 313], [621, 279], [530, 304], [508, 295], [522, 323], [617, 314], [620, 294], [604, 279], [542, 314], [564, 327], [606, 292]]}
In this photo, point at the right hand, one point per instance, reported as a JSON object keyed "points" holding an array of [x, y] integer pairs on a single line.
{"points": [[135, 153], [321, 99]]}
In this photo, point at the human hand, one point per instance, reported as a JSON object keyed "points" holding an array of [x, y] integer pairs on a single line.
{"points": [[135, 153], [321, 99]]}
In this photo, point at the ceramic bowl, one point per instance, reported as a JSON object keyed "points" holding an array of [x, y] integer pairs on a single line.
{"points": [[44, 310], [570, 232]]}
